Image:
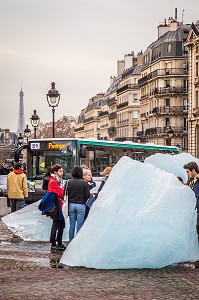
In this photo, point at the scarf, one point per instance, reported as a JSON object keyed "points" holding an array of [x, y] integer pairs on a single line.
{"points": [[59, 180]]}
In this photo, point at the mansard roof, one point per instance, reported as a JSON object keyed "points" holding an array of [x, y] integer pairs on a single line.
{"points": [[178, 35], [195, 28]]}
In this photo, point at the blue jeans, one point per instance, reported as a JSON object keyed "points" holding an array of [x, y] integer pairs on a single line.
{"points": [[76, 213]]}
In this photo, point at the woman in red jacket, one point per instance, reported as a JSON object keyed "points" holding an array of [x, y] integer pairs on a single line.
{"points": [[56, 185]]}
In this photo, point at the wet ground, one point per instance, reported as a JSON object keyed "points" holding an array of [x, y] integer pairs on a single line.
{"points": [[31, 271]]}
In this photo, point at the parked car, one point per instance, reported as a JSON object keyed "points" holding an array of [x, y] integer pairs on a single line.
{"points": [[3, 190]]}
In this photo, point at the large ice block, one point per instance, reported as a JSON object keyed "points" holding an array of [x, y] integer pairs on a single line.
{"points": [[30, 224], [172, 163], [143, 218]]}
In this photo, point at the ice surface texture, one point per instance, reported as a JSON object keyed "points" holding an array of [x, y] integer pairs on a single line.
{"points": [[31, 225], [143, 218], [172, 163]]}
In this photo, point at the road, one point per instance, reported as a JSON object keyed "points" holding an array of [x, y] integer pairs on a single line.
{"points": [[31, 271]]}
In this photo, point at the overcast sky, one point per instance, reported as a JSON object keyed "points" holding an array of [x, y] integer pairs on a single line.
{"points": [[75, 44]]}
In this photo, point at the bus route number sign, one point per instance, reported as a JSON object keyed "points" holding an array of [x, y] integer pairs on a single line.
{"points": [[35, 146]]}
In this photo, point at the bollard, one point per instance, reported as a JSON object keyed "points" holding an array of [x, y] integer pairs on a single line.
{"points": [[3, 206]]}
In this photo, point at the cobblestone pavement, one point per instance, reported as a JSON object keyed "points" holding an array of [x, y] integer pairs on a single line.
{"points": [[30, 271]]}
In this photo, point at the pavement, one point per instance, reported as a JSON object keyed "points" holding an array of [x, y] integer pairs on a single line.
{"points": [[29, 270]]}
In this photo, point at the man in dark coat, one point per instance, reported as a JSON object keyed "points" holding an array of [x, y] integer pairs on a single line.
{"points": [[193, 174]]}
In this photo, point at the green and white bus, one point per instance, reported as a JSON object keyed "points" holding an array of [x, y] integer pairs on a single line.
{"points": [[40, 154], [96, 154]]}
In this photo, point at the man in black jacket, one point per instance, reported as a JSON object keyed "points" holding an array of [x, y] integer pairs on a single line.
{"points": [[193, 174]]}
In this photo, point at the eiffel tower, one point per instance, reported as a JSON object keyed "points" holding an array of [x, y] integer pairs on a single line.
{"points": [[21, 118]]}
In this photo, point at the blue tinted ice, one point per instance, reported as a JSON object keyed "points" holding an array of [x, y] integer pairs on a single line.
{"points": [[143, 218], [30, 224], [172, 163]]}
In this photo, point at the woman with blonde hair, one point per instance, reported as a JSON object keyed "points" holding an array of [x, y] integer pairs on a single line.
{"points": [[105, 173]]}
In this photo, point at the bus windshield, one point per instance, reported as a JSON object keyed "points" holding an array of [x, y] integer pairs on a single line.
{"points": [[42, 154]]}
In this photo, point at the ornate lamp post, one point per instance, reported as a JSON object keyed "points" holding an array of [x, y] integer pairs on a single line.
{"points": [[53, 98], [35, 122], [27, 133], [20, 139]]}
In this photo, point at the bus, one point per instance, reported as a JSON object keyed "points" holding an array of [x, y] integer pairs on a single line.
{"points": [[96, 154], [40, 154]]}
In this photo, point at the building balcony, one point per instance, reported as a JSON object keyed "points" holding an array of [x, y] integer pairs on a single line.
{"points": [[112, 115], [90, 119], [103, 126], [111, 101], [112, 130], [126, 88], [163, 73], [170, 91], [79, 129], [123, 104], [135, 122], [103, 113], [173, 110], [164, 130], [123, 123]]}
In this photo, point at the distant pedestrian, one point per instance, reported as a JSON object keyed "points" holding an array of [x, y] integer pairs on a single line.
{"points": [[106, 174], [193, 174], [87, 175], [17, 187], [78, 193], [46, 179], [5, 169], [56, 185]]}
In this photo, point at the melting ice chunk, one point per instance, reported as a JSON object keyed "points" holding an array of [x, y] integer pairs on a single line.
{"points": [[143, 218]]}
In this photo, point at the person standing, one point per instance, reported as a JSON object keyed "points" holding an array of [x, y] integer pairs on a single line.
{"points": [[56, 185], [78, 193], [193, 175], [87, 175], [46, 179], [105, 173], [17, 187], [5, 169]]}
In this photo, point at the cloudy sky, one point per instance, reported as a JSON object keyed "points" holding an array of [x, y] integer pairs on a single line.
{"points": [[75, 43]]}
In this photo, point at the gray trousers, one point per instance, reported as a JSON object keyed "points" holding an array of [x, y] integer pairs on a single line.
{"points": [[16, 204]]}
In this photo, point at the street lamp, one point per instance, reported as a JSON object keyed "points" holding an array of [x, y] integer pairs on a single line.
{"points": [[53, 98], [27, 133], [35, 122], [20, 139]]}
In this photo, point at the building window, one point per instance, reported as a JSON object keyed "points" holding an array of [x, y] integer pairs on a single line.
{"points": [[185, 104], [167, 102], [197, 99], [169, 47], [135, 114], [167, 83], [167, 122], [197, 69]]}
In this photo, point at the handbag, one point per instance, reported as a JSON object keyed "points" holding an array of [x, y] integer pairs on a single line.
{"points": [[65, 202], [52, 213]]}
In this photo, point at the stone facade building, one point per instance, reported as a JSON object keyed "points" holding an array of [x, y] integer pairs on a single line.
{"points": [[164, 87], [192, 43], [154, 97]]}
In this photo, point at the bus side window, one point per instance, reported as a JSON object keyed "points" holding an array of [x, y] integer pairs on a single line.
{"points": [[82, 153]]}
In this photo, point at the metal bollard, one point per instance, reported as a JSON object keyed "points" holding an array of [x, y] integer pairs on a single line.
{"points": [[3, 206]]}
